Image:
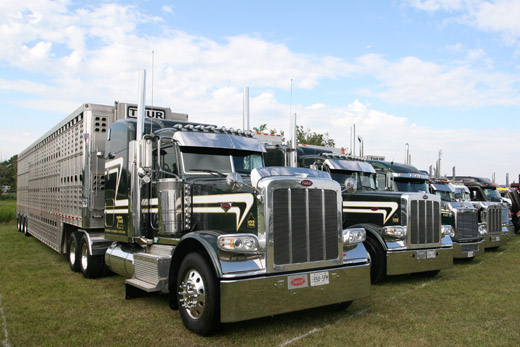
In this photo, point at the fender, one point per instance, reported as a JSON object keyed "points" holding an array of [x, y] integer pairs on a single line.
{"points": [[206, 242], [373, 230]]}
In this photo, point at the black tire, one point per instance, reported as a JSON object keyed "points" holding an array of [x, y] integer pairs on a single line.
{"points": [[198, 295], [377, 260], [342, 306], [91, 266], [19, 222], [25, 229], [73, 252]]}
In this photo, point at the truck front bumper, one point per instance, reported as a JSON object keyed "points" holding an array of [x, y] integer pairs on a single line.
{"points": [[468, 249], [493, 241], [419, 260], [243, 299]]}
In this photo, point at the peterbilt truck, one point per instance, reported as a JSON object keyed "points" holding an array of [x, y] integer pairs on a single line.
{"points": [[190, 210], [494, 215], [462, 216], [404, 231]]}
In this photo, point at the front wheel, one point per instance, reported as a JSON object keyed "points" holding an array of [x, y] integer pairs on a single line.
{"points": [[377, 258], [91, 265], [197, 295]]}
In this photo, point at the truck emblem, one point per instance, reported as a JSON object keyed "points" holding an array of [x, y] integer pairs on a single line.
{"points": [[306, 183], [298, 281], [225, 206], [425, 197]]}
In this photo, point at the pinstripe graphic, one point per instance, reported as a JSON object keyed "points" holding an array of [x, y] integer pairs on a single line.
{"points": [[245, 198], [383, 207]]}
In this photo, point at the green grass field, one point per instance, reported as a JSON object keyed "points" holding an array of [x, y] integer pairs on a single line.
{"points": [[43, 303]]}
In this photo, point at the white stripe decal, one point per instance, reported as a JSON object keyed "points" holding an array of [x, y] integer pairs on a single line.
{"points": [[380, 205], [246, 198]]}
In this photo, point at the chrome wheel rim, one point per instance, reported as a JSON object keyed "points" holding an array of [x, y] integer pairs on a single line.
{"points": [[193, 294], [84, 257], [72, 253]]}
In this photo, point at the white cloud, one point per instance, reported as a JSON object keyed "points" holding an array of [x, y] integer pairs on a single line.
{"points": [[499, 16]]}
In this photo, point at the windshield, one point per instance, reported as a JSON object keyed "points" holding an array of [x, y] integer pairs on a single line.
{"points": [[492, 194], [445, 196], [410, 185], [196, 161], [365, 180]]}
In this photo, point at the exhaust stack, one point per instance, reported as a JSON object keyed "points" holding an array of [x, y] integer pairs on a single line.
{"points": [[507, 180], [141, 105], [361, 147], [245, 122], [293, 162], [453, 174]]}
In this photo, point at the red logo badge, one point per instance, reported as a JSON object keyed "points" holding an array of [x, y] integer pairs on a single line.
{"points": [[306, 183], [225, 206], [298, 281]]}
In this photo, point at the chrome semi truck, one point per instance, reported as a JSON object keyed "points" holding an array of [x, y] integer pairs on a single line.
{"points": [[462, 216], [190, 210], [404, 231], [494, 215]]}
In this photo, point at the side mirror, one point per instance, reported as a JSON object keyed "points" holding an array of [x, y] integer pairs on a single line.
{"points": [[234, 181], [350, 185]]}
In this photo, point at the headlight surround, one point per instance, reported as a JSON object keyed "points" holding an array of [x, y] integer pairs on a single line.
{"points": [[447, 230], [482, 228], [238, 243], [353, 236], [395, 231]]}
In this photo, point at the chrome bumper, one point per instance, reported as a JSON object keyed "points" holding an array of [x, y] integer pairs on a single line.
{"points": [[242, 299], [408, 261], [467, 250], [493, 241]]}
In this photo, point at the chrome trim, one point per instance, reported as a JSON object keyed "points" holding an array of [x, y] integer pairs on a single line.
{"points": [[218, 140]]}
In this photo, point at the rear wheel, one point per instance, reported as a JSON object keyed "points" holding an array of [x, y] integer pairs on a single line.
{"points": [[91, 266], [25, 227], [198, 297], [19, 222], [377, 260], [73, 252]]}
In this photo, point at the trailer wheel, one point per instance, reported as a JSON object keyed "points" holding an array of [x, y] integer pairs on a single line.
{"points": [[25, 227], [19, 222], [378, 260], [73, 252], [198, 296], [91, 265]]}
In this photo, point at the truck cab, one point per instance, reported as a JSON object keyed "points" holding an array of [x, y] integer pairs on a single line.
{"points": [[194, 212], [494, 215], [462, 216], [404, 233]]}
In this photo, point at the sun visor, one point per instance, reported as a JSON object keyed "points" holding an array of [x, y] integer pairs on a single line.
{"points": [[218, 140]]}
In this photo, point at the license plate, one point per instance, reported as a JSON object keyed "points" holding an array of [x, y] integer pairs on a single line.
{"points": [[495, 238], [319, 278], [470, 254]]}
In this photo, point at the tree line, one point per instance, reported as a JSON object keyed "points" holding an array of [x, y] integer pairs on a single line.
{"points": [[8, 169]]}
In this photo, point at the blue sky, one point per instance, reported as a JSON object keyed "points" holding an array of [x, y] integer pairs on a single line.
{"points": [[437, 74]]}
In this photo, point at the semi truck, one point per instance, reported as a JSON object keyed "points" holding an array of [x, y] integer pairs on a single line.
{"points": [[494, 215], [188, 209], [462, 216], [404, 231]]}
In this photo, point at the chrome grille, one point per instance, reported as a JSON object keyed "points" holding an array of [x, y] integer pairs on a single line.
{"points": [[494, 220], [466, 225], [469, 248], [305, 225], [424, 222]]}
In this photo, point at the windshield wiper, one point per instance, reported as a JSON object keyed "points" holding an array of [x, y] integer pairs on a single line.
{"points": [[218, 173]]}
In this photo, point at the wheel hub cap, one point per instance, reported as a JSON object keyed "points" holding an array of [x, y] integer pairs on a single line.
{"points": [[192, 294]]}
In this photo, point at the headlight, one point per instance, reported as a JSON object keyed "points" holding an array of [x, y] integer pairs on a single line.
{"points": [[397, 231], [238, 243], [354, 235], [482, 228], [447, 230]]}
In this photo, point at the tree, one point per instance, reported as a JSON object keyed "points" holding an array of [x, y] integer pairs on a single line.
{"points": [[8, 169], [308, 137]]}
